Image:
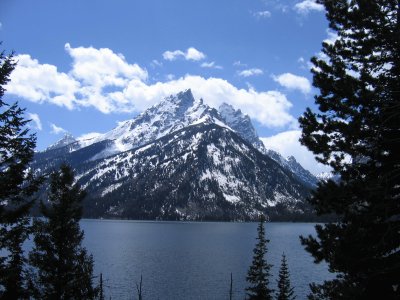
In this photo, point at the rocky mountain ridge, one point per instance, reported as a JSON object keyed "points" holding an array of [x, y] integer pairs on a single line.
{"points": [[181, 159]]}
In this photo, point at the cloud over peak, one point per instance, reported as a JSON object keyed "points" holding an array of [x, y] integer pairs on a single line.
{"points": [[56, 130], [104, 80]]}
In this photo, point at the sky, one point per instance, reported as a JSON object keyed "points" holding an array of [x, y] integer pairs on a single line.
{"points": [[84, 66]]}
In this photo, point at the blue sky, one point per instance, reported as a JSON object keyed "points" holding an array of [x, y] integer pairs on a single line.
{"points": [[85, 65]]}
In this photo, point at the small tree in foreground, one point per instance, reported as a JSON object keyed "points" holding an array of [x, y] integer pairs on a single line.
{"points": [[285, 291], [259, 272], [64, 269]]}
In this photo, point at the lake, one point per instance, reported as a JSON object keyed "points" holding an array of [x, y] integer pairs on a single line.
{"points": [[193, 260]]}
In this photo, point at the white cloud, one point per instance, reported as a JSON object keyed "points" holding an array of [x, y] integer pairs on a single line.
{"points": [[270, 108], [155, 63], [287, 144], [89, 136], [301, 60], [262, 14], [211, 65], [93, 73], [190, 54], [170, 77], [250, 72], [42, 82], [294, 82], [36, 120], [173, 55], [305, 64], [102, 67], [56, 130], [123, 87], [238, 63], [194, 54], [307, 6]]}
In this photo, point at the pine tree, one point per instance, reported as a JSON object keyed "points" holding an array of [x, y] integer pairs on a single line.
{"points": [[101, 288], [139, 288], [357, 133], [64, 269], [285, 291], [259, 272], [231, 289], [17, 187]]}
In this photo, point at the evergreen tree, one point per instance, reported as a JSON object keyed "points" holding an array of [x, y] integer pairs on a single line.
{"points": [[64, 269], [231, 289], [259, 272], [16, 189], [285, 291], [357, 133], [139, 288], [101, 288]]}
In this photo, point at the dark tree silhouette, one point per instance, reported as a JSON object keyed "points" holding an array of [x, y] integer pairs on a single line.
{"points": [[357, 133], [17, 187], [259, 272], [231, 289], [101, 288], [64, 269], [285, 290]]}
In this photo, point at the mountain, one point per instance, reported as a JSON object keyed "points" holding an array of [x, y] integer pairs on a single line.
{"points": [[67, 139], [181, 159], [294, 167], [241, 123]]}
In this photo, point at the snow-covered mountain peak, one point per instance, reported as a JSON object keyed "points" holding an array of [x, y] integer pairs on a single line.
{"points": [[291, 164], [169, 115], [182, 158], [67, 139], [241, 123], [184, 98], [229, 112]]}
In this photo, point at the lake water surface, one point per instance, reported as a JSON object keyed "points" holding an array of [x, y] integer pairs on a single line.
{"points": [[184, 260]]}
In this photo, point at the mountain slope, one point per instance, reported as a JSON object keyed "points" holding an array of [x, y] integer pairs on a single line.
{"points": [[293, 166], [241, 123], [200, 172]]}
